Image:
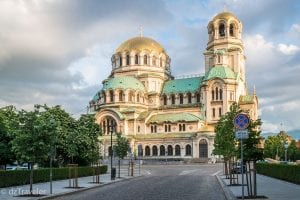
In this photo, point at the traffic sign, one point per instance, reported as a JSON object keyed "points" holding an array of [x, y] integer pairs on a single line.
{"points": [[241, 121], [241, 134]]}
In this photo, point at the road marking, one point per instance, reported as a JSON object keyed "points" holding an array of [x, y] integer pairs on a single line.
{"points": [[185, 172], [214, 174]]}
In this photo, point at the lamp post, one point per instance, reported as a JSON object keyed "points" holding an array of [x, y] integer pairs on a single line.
{"points": [[52, 154], [111, 128], [286, 146]]}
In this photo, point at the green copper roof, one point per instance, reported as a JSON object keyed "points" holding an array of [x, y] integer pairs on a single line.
{"points": [[123, 82], [173, 117], [220, 72], [96, 97], [182, 85], [246, 99]]}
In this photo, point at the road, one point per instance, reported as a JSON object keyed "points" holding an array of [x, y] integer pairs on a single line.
{"points": [[175, 182]]}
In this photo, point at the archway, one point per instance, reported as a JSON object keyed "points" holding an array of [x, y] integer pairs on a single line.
{"points": [[203, 149]]}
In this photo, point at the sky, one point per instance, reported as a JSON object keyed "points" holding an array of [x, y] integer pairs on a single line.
{"points": [[58, 51]]}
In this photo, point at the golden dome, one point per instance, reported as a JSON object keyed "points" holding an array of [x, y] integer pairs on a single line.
{"points": [[224, 15], [139, 44]]}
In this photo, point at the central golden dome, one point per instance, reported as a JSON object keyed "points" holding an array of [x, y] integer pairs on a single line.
{"points": [[140, 44]]}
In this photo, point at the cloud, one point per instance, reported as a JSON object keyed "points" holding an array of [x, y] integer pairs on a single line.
{"points": [[287, 49]]}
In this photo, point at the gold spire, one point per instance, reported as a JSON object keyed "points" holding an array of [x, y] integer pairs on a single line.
{"points": [[141, 31]]}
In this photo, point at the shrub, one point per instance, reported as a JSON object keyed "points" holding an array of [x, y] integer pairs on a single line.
{"points": [[21, 177], [281, 171]]}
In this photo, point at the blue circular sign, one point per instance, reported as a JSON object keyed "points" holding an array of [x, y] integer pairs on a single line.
{"points": [[241, 121]]}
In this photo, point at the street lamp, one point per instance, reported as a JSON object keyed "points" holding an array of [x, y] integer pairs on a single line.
{"points": [[286, 146], [111, 128]]}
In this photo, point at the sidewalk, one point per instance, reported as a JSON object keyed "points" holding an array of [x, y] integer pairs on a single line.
{"points": [[59, 187], [272, 188]]}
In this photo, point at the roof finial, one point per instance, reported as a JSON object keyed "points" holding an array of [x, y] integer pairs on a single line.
{"points": [[254, 91], [141, 31], [225, 7]]}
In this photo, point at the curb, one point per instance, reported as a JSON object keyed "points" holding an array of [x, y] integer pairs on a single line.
{"points": [[87, 188], [228, 194]]}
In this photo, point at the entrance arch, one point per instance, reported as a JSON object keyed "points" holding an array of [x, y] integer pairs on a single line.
{"points": [[203, 149]]}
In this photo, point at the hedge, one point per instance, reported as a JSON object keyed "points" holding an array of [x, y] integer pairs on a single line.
{"points": [[21, 177], [285, 172]]}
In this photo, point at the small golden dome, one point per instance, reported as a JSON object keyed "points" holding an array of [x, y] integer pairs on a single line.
{"points": [[224, 15], [139, 44]]}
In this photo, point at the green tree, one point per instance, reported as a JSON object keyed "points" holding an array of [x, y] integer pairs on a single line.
{"points": [[8, 120], [292, 151], [225, 143], [121, 148], [32, 141]]}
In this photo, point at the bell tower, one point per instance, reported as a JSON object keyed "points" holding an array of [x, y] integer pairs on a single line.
{"points": [[225, 46]]}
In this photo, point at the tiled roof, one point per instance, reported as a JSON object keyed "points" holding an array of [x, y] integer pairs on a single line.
{"points": [[182, 85], [173, 117], [220, 72], [123, 82]]}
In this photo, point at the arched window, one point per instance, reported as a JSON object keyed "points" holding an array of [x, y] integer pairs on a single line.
{"points": [[188, 150], [120, 60], [162, 150], [231, 30], [198, 97], [136, 59], [154, 61], [181, 98], [183, 127], [213, 95], [111, 95], [121, 94], [177, 150], [160, 62], [217, 93], [189, 97], [220, 112], [145, 59], [147, 151], [165, 100], [219, 58], [138, 98], [127, 59], [214, 112], [173, 99], [108, 125], [203, 149], [221, 94], [140, 150], [154, 151], [170, 150], [222, 30], [130, 97]]}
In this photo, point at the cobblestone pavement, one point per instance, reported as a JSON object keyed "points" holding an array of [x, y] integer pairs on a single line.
{"points": [[175, 182]]}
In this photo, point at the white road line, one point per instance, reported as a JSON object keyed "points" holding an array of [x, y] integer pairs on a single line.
{"points": [[185, 172], [216, 173]]}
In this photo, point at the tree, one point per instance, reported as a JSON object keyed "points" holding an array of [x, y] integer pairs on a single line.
{"points": [[32, 141], [293, 151], [224, 143], [8, 120], [121, 148], [252, 154]]}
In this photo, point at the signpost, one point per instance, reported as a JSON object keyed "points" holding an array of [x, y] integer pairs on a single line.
{"points": [[241, 122]]}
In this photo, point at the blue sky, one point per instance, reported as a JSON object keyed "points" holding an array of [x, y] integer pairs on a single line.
{"points": [[58, 52]]}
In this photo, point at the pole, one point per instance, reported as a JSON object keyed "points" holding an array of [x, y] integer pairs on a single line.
{"points": [[51, 173], [285, 155], [242, 168], [111, 152]]}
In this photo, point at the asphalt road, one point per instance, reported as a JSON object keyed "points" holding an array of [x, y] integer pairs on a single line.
{"points": [[175, 182]]}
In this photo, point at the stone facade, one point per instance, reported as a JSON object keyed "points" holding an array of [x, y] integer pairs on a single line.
{"points": [[165, 117]]}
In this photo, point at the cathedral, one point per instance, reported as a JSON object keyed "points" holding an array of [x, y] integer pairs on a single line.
{"points": [[173, 118]]}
